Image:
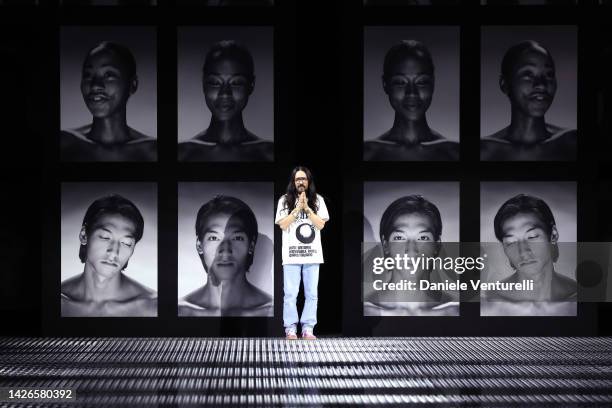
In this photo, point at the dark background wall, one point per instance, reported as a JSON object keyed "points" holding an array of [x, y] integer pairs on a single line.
{"points": [[76, 41], [318, 122]]}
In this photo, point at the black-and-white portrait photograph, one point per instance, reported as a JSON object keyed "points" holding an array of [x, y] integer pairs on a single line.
{"points": [[411, 93], [108, 94], [226, 249], [225, 94], [528, 232], [410, 218], [108, 249], [528, 96], [603, 89]]}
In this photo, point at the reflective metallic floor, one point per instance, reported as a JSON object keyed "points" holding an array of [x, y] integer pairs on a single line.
{"points": [[189, 372]]}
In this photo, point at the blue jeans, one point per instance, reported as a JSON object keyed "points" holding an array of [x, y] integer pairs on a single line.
{"points": [[292, 274]]}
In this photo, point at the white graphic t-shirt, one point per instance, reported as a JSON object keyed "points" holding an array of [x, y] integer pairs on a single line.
{"points": [[302, 240]]}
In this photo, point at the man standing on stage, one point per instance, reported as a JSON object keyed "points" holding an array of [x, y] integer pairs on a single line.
{"points": [[301, 213]]}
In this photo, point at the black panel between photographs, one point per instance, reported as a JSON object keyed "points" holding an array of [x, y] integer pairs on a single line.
{"points": [[411, 93], [535, 224], [24, 63], [225, 94], [225, 249], [603, 90], [528, 93], [26, 107], [108, 94], [109, 250]]}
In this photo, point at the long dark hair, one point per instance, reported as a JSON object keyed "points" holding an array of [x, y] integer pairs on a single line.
{"points": [[111, 204], [291, 195]]}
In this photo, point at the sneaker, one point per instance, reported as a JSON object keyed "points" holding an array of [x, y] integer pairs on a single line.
{"points": [[307, 334], [290, 334]]}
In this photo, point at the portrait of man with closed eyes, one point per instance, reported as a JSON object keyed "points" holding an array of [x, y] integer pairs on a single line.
{"points": [[111, 229], [535, 251]]}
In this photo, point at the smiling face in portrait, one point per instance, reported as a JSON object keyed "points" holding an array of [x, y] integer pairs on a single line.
{"points": [[532, 84], [227, 84], [224, 246], [409, 84], [109, 245], [526, 243], [106, 83], [411, 234]]}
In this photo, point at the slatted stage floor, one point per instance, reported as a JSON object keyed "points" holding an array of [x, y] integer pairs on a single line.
{"points": [[191, 372]]}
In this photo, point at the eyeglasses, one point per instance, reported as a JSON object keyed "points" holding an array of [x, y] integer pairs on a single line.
{"points": [[301, 179]]}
